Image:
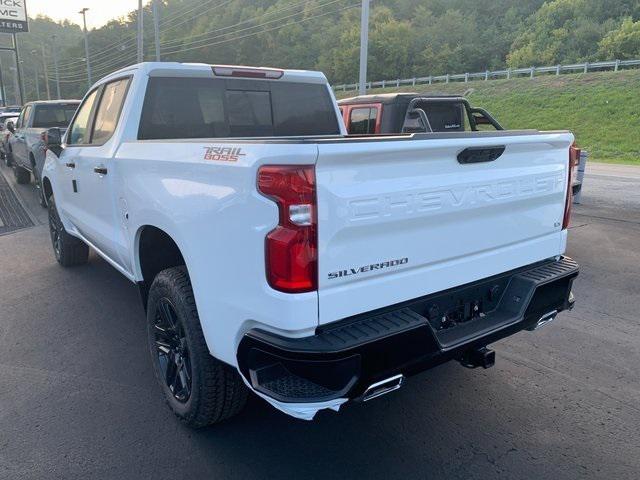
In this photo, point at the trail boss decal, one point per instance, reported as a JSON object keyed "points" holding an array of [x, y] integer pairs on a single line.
{"points": [[368, 268], [223, 154]]}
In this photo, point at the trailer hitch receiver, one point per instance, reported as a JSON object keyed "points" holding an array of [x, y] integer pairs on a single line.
{"points": [[478, 357]]}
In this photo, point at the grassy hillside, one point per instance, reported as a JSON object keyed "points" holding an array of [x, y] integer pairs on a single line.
{"points": [[601, 109]]}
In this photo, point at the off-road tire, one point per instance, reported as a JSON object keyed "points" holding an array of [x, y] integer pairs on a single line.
{"points": [[22, 174], [217, 391], [68, 250]]}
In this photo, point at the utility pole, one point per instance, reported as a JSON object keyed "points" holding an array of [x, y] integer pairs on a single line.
{"points": [[35, 68], [46, 72], [156, 28], [83, 12], [16, 85], [19, 86], [364, 45], [2, 89], [55, 64], [140, 31]]}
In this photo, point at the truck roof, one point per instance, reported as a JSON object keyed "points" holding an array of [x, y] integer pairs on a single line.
{"points": [[207, 71], [390, 98], [51, 102]]}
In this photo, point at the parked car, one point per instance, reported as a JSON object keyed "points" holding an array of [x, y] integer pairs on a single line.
{"points": [[11, 109], [7, 122], [26, 144], [412, 113], [276, 254]]}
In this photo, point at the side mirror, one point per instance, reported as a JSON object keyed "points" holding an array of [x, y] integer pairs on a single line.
{"points": [[53, 140], [11, 127]]}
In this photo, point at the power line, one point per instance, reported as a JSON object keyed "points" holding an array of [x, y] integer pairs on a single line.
{"points": [[264, 31], [259, 25], [102, 67], [168, 20], [131, 38], [204, 34], [123, 62], [117, 55], [106, 51], [102, 71]]}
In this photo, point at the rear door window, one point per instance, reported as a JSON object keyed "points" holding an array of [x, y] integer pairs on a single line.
{"points": [[362, 121], [24, 116], [53, 115], [214, 108], [79, 131], [111, 101]]}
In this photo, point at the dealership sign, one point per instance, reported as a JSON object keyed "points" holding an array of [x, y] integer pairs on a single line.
{"points": [[13, 16]]}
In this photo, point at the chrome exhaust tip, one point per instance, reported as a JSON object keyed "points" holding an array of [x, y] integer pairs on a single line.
{"points": [[544, 319], [383, 387]]}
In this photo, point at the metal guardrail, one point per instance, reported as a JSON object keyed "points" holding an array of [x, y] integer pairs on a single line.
{"points": [[509, 73]]}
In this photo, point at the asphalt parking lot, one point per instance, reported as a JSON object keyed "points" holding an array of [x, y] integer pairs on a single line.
{"points": [[79, 400]]}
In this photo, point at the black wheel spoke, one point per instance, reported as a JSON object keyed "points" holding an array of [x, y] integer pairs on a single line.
{"points": [[163, 347], [171, 350], [167, 315], [170, 375], [184, 383], [55, 228]]}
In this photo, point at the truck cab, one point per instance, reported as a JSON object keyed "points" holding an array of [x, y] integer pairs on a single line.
{"points": [[389, 113]]}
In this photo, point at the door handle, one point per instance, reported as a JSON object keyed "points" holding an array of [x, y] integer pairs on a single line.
{"points": [[100, 170], [480, 154], [70, 165]]}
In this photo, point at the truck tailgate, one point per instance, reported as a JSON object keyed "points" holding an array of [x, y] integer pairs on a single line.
{"points": [[398, 218]]}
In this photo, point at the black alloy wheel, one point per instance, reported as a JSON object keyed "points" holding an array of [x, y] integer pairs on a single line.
{"points": [[172, 351], [55, 230], [39, 187]]}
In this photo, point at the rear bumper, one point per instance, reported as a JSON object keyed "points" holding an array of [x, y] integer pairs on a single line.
{"points": [[344, 358]]}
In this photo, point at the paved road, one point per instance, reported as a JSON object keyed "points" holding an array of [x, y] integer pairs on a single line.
{"points": [[78, 398]]}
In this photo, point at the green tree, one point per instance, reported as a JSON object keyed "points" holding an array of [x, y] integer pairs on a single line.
{"points": [[621, 43], [567, 31]]}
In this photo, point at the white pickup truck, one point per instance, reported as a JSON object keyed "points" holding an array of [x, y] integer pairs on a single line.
{"points": [[276, 254]]}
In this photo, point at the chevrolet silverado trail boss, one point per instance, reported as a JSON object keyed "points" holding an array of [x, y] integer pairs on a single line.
{"points": [[275, 254]]}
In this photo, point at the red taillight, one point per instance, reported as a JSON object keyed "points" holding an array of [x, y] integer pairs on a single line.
{"points": [[291, 247], [574, 160]]}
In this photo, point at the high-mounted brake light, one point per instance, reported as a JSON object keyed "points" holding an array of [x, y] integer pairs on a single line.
{"points": [[574, 160], [231, 71], [291, 248]]}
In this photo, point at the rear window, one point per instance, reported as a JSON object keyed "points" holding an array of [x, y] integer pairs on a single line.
{"points": [[49, 116], [210, 108]]}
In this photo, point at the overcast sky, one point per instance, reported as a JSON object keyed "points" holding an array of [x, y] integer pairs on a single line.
{"points": [[100, 11]]}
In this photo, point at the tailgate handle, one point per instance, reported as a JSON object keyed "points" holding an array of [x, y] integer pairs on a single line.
{"points": [[480, 154]]}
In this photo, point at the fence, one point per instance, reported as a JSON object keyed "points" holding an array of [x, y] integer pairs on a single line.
{"points": [[614, 65]]}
